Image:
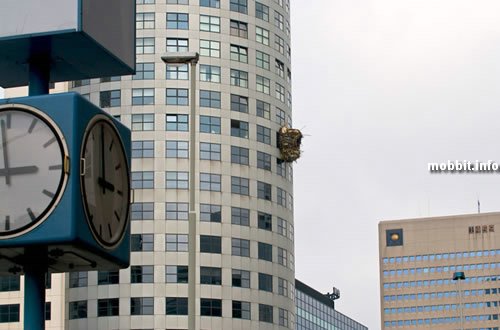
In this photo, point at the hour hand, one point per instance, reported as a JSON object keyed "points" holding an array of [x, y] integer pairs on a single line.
{"points": [[105, 184], [18, 170]]}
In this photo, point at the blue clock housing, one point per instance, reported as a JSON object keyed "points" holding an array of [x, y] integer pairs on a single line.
{"points": [[66, 233]]}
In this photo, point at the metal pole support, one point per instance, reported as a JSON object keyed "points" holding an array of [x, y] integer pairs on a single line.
{"points": [[34, 288]]}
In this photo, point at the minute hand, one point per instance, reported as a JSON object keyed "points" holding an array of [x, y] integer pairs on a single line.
{"points": [[18, 170]]}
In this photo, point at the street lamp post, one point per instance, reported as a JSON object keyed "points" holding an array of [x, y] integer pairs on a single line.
{"points": [[460, 276], [191, 58]]}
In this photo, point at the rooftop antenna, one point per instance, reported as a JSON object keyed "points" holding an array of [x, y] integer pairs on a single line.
{"points": [[478, 206]]}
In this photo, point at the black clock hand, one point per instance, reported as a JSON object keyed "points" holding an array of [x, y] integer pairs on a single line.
{"points": [[18, 170], [5, 153], [105, 184], [103, 165]]}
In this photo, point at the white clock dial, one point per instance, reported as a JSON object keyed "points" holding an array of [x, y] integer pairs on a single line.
{"points": [[32, 171], [105, 182]]}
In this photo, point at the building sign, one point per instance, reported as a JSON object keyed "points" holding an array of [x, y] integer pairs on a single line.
{"points": [[481, 229]]}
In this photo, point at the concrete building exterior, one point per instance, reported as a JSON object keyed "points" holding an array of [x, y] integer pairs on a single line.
{"points": [[419, 259], [316, 311]]}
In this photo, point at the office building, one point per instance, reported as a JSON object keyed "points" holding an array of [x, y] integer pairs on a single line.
{"points": [[440, 273], [316, 311]]}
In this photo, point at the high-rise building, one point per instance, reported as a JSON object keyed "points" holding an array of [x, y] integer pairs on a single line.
{"points": [[233, 266], [440, 273], [316, 311]]}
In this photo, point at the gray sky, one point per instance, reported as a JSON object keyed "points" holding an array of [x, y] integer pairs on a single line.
{"points": [[381, 88]]}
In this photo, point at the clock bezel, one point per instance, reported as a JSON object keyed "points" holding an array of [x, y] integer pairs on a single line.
{"points": [[92, 123], [63, 179]]}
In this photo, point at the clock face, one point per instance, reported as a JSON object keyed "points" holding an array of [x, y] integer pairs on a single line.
{"points": [[33, 171], [105, 182]]}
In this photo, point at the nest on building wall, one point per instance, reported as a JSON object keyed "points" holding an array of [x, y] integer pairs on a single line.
{"points": [[289, 141]]}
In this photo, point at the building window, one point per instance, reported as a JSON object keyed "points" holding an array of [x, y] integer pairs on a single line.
{"points": [[108, 307], [282, 287], [176, 242], [177, 45], [210, 307], [239, 6], [265, 282], [281, 196], [110, 99], [240, 216], [108, 277], [176, 180], [262, 60], [210, 124], [240, 278], [143, 122], [240, 247], [239, 185], [176, 274], [142, 211], [282, 257], [177, 21], [241, 310], [288, 99], [141, 274], [239, 29], [9, 283], [239, 155], [263, 109], [209, 99], [177, 96], [110, 79], [210, 3], [144, 71], [178, 2], [282, 227], [280, 92], [80, 83], [210, 73], [239, 54], [209, 23], [145, 45], [263, 134], [210, 151], [10, 313], [239, 103], [279, 21], [209, 48], [77, 310], [283, 317], [263, 84], [210, 213], [239, 78], [141, 242], [265, 221], [210, 182], [279, 44], [176, 211], [265, 313], [280, 117], [239, 128], [78, 279], [261, 11], [145, 2], [281, 168], [210, 244], [177, 72], [280, 68], [264, 191], [143, 180], [176, 306], [177, 123], [262, 36], [265, 251], [143, 149], [143, 96], [210, 275], [142, 306], [176, 149], [48, 311], [263, 160], [144, 21]]}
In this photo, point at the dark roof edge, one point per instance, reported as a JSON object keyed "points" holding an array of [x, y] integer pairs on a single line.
{"points": [[313, 293]]}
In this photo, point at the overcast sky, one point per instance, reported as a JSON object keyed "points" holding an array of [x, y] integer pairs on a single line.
{"points": [[381, 88]]}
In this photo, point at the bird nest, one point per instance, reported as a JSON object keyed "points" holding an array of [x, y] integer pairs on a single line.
{"points": [[289, 140]]}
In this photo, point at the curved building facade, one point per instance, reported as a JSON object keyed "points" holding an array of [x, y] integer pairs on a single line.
{"points": [[223, 257]]}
